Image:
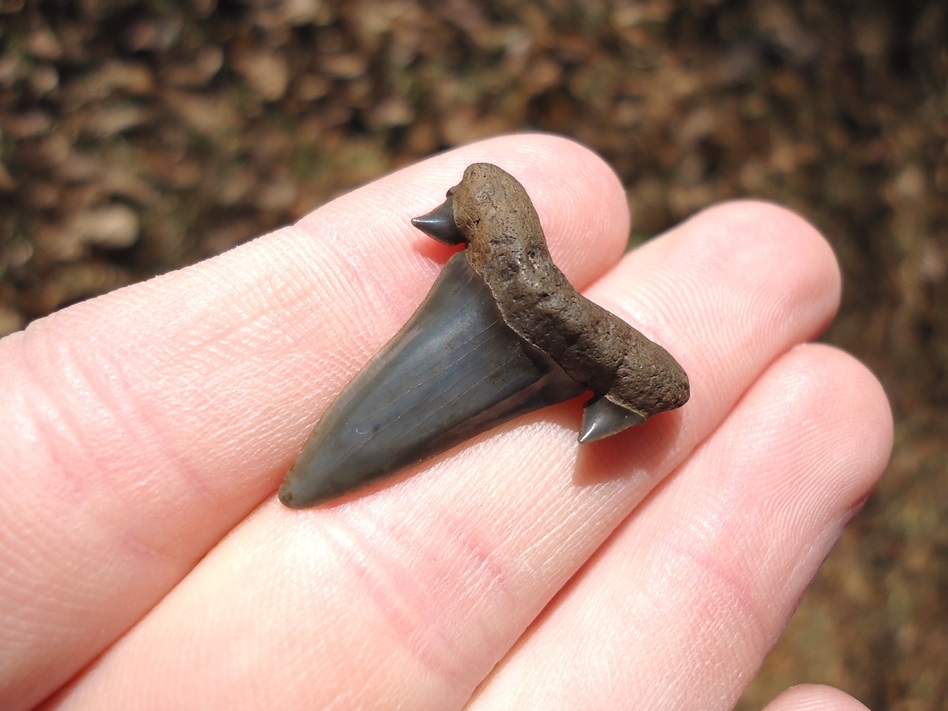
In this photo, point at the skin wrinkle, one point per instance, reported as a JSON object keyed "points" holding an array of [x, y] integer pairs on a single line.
{"points": [[805, 387], [76, 496], [117, 403], [168, 460], [737, 586], [219, 342], [47, 430], [350, 282], [107, 521], [136, 546], [19, 590], [480, 559], [723, 585], [274, 283], [395, 591], [251, 316]]}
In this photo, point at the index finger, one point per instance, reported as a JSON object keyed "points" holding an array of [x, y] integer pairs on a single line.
{"points": [[142, 426]]}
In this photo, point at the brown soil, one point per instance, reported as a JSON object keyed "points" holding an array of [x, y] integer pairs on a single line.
{"points": [[136, 137]]}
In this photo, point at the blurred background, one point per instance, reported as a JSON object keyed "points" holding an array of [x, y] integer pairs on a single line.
{"points": [[137, 137]]}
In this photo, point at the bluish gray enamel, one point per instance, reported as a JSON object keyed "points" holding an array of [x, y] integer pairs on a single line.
{"points": [[453, 371]]}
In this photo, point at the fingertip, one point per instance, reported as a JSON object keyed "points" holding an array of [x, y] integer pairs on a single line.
{"points": [[760, 237], [580, 200], [814, 697], [730, 263], [851, 398]]}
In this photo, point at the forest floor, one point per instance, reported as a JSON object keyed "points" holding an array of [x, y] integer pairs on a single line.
{"points": [[137, 137]]}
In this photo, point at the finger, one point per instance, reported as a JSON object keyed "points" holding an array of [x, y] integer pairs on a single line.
{"points": [[138, 428], [691, 593], [812, 697], [417, 590]]}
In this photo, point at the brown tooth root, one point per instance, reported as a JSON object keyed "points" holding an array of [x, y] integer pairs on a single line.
{"points": [[507, 248]]}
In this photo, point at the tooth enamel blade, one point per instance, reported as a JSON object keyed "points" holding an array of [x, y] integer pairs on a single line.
{"points": [[454, 370]]}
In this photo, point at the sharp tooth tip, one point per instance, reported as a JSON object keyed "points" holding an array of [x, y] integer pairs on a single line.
{"points": [[603, 418], [287, 497], [292, 501], [431, 223], [295, 496], [439, 224]]}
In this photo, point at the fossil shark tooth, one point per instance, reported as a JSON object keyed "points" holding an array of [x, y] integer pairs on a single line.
{"points": [[501, 333]]}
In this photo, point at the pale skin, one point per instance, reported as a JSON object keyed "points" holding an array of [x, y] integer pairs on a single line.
{"points": [[145, 433]]}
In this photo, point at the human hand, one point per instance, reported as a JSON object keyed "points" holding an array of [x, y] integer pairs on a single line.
{"points": [[149, 565]]}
